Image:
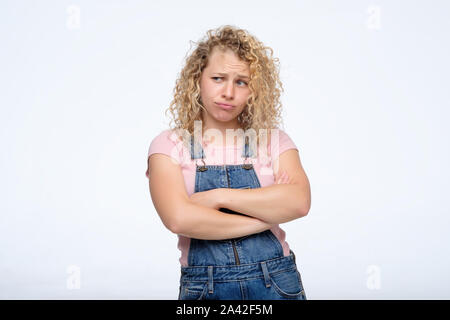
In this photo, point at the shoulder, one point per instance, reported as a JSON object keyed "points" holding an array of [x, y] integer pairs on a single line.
{"points": [[281, 141], [167, 142], [168, 137], [283, 135]]}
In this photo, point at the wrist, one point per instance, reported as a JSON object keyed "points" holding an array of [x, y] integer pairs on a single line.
{"points": [[264, 225]]}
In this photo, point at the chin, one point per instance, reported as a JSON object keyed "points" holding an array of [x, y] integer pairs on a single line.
{"points": [[224, 121]]}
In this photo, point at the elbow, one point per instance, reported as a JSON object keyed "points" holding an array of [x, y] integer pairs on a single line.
{"points": [[303, 201], [303, 209], [302, 212], [175, 224], [173, 228], [179, 222]]}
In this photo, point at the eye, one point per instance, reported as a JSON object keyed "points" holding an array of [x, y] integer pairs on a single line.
{"points": [[214, 78]]}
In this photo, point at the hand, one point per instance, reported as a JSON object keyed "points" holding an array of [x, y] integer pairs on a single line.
{"points": [[208, 198], [282, 178]]}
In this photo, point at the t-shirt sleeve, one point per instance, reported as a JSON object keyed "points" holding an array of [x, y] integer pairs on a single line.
{"points": [[280, 143], [286, 142], [164, 143]]}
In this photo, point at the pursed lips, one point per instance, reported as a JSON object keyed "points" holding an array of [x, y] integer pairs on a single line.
{"points": [[224, 104]]}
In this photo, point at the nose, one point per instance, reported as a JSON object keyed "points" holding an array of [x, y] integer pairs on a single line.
{"points": [[228, 91]]}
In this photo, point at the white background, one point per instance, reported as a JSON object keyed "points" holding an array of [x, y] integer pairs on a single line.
{"points": [[84, 86]]}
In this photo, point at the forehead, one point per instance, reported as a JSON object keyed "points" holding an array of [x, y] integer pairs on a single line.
{"points": [[226, 61]]}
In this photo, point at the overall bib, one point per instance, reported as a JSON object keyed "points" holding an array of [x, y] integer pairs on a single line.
{"points": [[252, 267]]}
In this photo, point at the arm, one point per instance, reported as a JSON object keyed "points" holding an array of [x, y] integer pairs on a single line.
{"points": [[277, 203], [184, 217], [205, 223]]}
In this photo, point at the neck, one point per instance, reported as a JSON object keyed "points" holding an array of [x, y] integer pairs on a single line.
{"points": [[216, 126], [213, 137]]}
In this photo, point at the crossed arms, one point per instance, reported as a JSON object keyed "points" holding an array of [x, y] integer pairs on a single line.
{"points": [[198, 216]]}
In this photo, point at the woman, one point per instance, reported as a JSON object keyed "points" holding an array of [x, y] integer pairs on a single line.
{"points": [[225, 199]]}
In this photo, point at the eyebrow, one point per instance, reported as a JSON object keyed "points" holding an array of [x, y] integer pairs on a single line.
{"points": [[224, 74]]}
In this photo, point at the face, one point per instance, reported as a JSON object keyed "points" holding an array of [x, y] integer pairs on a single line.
{"points": [[224, 81]]}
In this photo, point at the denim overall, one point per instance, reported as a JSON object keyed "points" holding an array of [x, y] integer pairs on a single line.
{"points": [[251, 267]]}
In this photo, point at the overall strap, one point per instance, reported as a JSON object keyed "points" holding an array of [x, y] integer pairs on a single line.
{"points": [[198, 153], [196, 149]]}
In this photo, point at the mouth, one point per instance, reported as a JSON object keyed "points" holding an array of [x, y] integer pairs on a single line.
{"points": [[224, 106]]}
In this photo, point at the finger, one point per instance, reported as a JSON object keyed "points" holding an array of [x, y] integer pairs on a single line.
{"points": [[288, 179], [279, 176], [279, 173], [282, 178]]}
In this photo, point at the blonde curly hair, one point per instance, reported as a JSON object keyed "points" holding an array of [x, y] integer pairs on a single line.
{"points": [[263, 108]]}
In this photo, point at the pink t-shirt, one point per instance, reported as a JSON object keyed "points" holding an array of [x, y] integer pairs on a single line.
{"points": [[167, 143]]}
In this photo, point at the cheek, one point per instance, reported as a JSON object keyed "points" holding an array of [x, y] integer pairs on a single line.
{"points": [[208, 91], [238, 111], [244, 99], [244, 96]]}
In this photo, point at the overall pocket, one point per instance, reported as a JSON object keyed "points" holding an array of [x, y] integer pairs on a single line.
{"points": [[288, 285], [192, 290]]}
